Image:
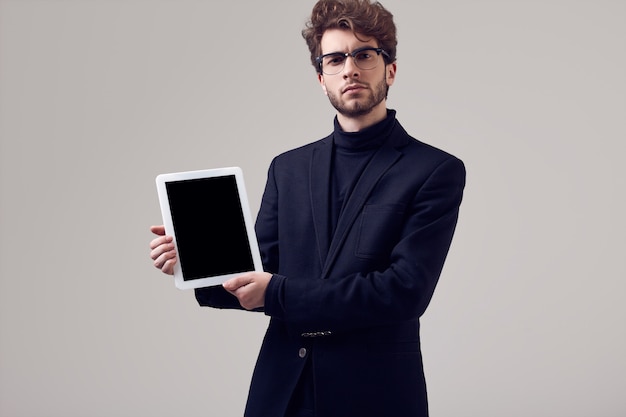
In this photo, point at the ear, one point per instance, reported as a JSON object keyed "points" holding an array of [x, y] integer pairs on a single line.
{"points": [[391, 73], [320, 79]]}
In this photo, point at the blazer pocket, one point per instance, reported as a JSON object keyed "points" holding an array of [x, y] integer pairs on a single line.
{"points": [[379, 229]]}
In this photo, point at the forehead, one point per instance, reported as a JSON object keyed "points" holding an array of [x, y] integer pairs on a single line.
{"points": [[341, 40]]}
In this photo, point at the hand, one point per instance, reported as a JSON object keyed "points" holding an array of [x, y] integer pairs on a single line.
{"points": [[163, 253], [249, 288]]}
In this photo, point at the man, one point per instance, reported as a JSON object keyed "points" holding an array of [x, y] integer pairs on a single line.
{"points": [[353, 231]]}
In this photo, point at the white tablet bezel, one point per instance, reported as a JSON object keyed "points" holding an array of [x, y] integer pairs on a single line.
{"points": [[163, 179]]}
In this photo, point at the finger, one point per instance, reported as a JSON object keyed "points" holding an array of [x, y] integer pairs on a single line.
{"points": [[168, 266], [165, 258], [158, 230], [155, 243], [160, 250]]}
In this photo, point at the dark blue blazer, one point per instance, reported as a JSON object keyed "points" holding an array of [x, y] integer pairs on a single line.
{"points": [[350, 303]]}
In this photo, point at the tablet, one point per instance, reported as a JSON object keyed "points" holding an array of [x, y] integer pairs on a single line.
{"points": [[207, 214]]}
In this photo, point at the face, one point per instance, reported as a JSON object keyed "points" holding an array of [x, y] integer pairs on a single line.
{"points": [[355, 92]]}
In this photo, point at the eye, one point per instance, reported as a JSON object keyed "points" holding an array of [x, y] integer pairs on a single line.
{"points": [[364, 55], [334, 60]]}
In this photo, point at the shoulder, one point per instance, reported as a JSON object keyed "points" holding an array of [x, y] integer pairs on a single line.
{"points": [[417, 151], [302, 153]]}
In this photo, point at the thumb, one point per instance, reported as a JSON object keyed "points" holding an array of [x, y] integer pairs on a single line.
{"points": [[158, 230], [234, 284]]}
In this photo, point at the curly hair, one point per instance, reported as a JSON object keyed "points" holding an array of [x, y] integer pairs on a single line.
{"points": [[359, 16]]}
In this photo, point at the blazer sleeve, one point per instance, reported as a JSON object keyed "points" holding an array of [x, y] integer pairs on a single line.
{"points": [[400, 291]]}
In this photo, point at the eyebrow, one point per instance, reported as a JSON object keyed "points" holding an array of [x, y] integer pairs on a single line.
{"points": [[352, 50], [348, 52]]}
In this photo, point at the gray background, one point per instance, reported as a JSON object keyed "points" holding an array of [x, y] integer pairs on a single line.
{"points": [[97, 97]]}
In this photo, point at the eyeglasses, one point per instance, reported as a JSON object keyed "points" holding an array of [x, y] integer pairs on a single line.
{"points": [[365, 58]]}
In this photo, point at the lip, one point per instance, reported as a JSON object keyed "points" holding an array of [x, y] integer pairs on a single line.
{"points": [[353, 87]]}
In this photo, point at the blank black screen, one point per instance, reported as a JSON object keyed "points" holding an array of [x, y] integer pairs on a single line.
{"points": [[209, 227]]}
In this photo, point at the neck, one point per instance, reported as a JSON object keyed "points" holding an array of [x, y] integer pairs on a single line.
{"points": [[358, 123]]}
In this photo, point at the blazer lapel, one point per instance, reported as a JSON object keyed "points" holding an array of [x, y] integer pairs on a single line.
{"points": [[380, 163], [319, 188]]}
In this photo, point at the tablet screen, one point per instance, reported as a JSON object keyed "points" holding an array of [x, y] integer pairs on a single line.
{"points": [[209, 225]]}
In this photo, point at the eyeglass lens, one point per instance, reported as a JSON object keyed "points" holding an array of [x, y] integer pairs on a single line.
{"points": [[365, 59]]}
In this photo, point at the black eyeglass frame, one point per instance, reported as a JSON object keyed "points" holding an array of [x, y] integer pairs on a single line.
{"points": [[353, 54]]}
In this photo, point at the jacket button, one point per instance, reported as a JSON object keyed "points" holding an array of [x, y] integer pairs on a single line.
{"points": [[302, 352]]}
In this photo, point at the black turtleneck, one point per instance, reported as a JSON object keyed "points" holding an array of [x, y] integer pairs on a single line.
{"points": [[351, 153]]}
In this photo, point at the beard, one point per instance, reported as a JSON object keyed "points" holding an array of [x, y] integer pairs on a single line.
{"points": [[360, 106]]}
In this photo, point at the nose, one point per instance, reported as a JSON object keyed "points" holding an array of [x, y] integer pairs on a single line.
{"points": [[350, 69]]}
